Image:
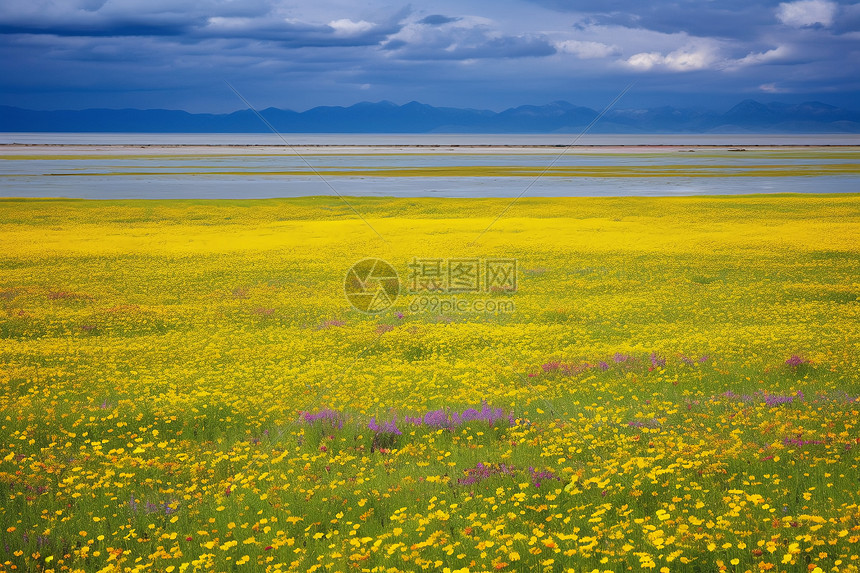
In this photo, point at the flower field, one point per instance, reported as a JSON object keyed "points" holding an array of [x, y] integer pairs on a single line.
{"points": [[185, 387]]}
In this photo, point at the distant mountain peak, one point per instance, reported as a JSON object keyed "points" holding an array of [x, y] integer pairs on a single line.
{"points": [[415, 117]]}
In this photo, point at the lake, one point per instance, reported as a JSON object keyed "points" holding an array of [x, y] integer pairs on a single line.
{"points": [[162, 166]]}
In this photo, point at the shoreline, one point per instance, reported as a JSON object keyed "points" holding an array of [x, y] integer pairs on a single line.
{"points": [[301, 199], [16, 150], [229, 171]]}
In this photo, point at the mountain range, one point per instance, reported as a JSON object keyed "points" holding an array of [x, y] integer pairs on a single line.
{"points": [[748, 116]]}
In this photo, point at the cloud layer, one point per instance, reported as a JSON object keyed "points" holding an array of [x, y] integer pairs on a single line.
{"points": [[177, 53]]}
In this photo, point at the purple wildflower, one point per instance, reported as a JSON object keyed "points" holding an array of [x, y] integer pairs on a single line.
{"points": [[779, 399], [657, 361], [326, 415], [796, 361], [551, 366], [389, 427], [483, 471], [800, 442], [539, 477], [443, 419]]}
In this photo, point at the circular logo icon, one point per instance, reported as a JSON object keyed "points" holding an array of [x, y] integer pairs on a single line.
{"points": [[371, 285]]}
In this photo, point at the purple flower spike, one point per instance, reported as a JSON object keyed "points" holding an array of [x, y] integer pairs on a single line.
{"points": [[483, 471], [327, 415], [389, 427], [796, 361], [539, 477], [442, 418]]}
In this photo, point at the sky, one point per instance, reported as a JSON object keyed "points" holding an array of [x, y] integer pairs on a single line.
{"points": [[179, 54]]}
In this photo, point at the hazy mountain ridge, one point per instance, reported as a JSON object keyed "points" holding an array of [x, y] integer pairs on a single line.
{"points": [[415, 117]]}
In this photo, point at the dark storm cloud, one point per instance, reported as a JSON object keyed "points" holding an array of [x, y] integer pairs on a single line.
{"points": [[256, 20], [437, 20], [739, 19], [98, 18], [463, 39], [301, 35], [298, 53], [848, 20], [502, 47], [505, 47], [727, 18], [98, 30]]}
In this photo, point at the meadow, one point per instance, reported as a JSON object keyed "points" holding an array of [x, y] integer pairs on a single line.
{"points": [[674, 386]]}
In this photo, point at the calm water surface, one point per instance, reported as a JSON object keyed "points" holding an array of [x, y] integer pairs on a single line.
{"points": [[237, 176]]}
